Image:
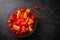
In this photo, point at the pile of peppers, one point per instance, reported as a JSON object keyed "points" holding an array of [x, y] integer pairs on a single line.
{"points": [[21, 21]]}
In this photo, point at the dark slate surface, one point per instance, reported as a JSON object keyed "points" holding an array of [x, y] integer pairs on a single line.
{"points": [[47, 19]]}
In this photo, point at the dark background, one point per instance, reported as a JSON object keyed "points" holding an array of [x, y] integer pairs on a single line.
{"points": [[47, 17]]}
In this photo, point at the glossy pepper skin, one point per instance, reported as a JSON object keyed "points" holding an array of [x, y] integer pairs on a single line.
{"points": [[36, 7], [21, 20]]}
